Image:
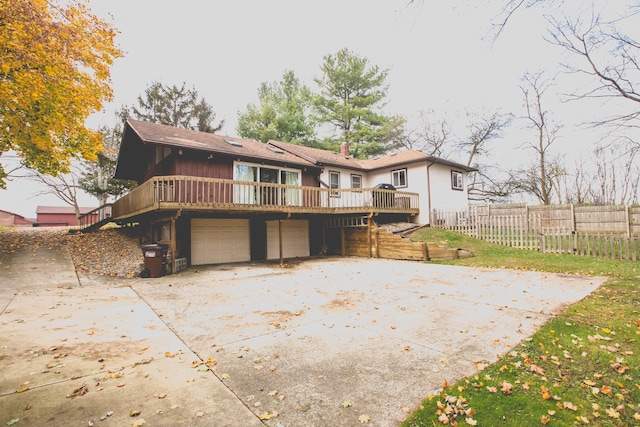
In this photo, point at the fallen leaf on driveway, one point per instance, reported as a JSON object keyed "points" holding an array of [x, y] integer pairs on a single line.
{"points": [[80, 391], [143, 361], [364, 419], [268, 415]]}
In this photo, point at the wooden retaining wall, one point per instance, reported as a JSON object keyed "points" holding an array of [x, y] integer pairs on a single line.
{"points": [[384, 244]]}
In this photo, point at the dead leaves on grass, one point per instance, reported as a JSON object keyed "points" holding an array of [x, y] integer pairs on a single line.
{"points": [[546, 371]]}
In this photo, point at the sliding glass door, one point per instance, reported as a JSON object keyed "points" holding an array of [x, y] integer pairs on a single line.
{"points": [[246, 193]]}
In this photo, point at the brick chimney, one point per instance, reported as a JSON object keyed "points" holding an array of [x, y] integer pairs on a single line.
{"points": [[344, 149]]}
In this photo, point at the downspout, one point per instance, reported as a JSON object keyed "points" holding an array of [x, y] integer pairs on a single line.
{"points": [[429, 191]]}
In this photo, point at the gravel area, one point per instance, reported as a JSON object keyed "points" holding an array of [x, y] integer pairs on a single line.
{"points": [[109, 252]]}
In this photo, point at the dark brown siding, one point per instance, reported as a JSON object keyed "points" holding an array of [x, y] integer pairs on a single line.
{"points": [[194, 166], [310, 180]]}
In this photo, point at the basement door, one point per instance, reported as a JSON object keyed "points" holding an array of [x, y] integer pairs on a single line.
{"points": [[218, 241], [295, 239]]}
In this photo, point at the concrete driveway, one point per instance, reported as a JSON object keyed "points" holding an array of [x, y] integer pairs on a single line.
{"points": [[329, 340], [319, 343]]}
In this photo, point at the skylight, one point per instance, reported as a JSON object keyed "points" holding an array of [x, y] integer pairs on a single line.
{"points": [[275, 149], [232, 142]]}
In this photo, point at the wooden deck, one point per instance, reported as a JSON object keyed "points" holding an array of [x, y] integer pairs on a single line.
{"points": [[210, 194]]}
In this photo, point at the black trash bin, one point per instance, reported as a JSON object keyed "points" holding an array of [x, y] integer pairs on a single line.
{"points": [[384, 199], [155, 259]]}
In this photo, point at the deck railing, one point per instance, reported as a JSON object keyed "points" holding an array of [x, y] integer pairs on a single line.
{"points": [[186, 192], [97, 215]]}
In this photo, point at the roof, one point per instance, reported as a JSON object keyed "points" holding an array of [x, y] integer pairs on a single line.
{"points": [[139, 133], [318, 156], [61, 210], [325, 157]]}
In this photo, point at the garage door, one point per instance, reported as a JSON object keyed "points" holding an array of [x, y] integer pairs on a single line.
{"points": [[217, 241], [295, 239]]}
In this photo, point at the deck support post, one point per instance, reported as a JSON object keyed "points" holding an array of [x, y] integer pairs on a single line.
{"points": [[280, 242]]}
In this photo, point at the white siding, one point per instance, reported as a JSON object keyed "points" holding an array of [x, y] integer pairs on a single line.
{"points": [[442, 195]]}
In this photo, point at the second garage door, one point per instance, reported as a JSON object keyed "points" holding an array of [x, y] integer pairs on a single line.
{"points": [[217, 241], [295, 239]]}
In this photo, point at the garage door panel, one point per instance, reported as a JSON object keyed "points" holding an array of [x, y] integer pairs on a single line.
{"points": [[216, 241], [295, 239]]}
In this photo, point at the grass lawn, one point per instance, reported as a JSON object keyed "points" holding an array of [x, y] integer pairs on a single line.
{"points": [[580, 368]]}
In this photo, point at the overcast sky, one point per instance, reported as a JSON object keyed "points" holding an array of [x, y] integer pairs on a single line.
{"points": [[438, 52]]}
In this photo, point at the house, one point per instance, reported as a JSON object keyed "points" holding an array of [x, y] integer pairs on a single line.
{"points": [[10, 219], [59, 216], [216, 199]]}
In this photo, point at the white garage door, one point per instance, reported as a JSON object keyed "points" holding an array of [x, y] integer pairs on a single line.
{"points": [[217, 241], [295, 239]]}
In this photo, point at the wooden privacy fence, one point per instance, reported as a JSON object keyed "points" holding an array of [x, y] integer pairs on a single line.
{"points": [[600, 231]]}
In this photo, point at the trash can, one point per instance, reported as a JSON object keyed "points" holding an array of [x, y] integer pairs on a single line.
{"points": [[384, 199], [155, 259]]}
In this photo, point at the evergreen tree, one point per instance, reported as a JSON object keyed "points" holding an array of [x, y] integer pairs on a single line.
{"points": [[176, 106], [351, 94], [282, 113]]}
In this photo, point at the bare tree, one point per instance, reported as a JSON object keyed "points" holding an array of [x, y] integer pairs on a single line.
{"points": [[577, 184], [435, 136], [63, 186], [432, 136], [600, 41], [483, 184], [539, 179], [616, 178], [610, 57]]}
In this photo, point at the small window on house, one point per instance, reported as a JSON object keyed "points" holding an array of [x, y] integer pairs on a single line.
{"points": [[356, 181], [399, 178], [334, 182], [456, 180]]}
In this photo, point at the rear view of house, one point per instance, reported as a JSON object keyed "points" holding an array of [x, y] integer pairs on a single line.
{"points": [[216, 199]]}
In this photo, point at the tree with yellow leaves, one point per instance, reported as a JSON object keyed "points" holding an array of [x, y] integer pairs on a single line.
{"points": [[55, 59]]}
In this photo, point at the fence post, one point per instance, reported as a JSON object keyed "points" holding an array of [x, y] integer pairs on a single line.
{"points": [[627, 212]]}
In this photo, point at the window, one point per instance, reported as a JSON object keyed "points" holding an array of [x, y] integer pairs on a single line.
{"points": [[399, 178], [356, 181], [159, 154], [456, 180], [269, 195], [334, 182]]}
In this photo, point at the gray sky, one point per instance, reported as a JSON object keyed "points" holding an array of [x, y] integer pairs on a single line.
{"points": [[438, 53]]}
